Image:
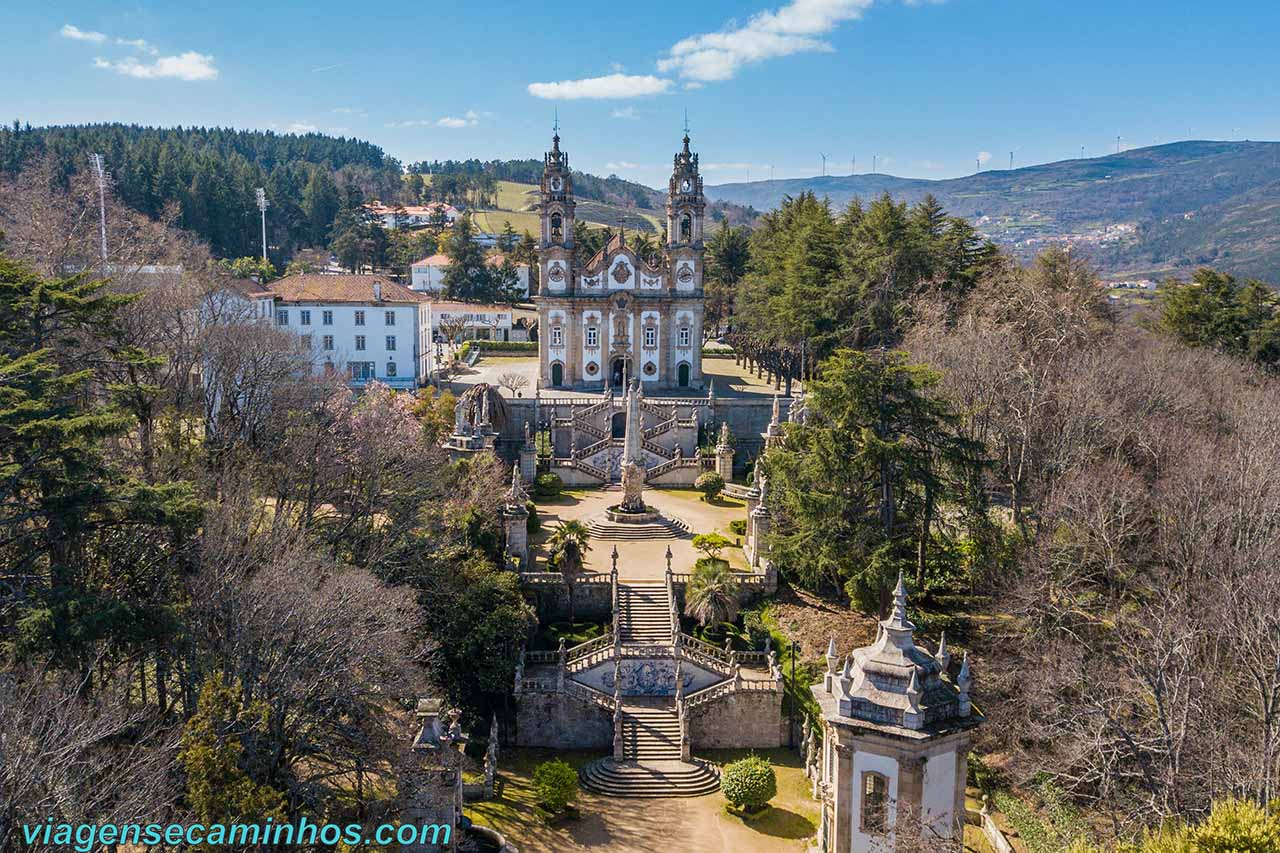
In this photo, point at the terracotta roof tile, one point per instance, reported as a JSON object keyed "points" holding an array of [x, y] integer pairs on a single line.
{"points": [[341, 288]]}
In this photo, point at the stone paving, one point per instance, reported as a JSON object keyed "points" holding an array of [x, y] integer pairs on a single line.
{"points": [[644, 559]]}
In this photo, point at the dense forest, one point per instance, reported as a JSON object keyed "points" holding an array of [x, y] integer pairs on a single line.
{"points": [[211, 174]]}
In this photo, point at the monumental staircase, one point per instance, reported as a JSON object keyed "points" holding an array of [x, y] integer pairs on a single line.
{"points": [[649, 678]]}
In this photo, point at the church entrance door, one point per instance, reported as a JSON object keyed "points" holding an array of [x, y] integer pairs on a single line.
{"points": [[682, 375], [557, 374], [618, 373]]}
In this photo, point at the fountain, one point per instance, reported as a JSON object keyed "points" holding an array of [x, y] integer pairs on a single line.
{"points": [[632, 510]]}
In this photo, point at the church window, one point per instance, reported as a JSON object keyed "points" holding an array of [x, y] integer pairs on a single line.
{"points": [[875, 803], [557, 226], [593, 336], [557, 336], [650, 337], [686, 336], [686, 227]]}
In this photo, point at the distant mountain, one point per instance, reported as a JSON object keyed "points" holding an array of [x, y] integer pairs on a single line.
{"points": [[1148, 212]]}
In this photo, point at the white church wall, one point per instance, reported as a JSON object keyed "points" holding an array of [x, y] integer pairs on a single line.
{"points": [[938, 805], [649, 356], [621, 274], [592, 355], [870, 762]]}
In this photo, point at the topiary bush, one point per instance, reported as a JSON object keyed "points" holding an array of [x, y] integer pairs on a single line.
{"points": [[749, 783], [556, 784], [547, 486], [710, 484], [738, 526]]}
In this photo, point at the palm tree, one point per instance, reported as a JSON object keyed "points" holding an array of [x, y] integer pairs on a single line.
{"points": [[712, 593], [568, 545]]}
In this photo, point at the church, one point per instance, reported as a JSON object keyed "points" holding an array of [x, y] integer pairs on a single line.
{"points": [[613, 318]]}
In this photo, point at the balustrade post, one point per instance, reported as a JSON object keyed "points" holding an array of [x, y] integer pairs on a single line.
{"points": [[617, 717]]}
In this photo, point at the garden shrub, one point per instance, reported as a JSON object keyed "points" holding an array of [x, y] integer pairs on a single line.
{"points": [[749, 783], [533, 524], [738, 526], [547, 486], [710, 484], [556, 784]]}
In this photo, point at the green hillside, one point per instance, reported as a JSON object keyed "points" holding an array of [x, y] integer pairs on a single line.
{"points": [[517, 205], [1149, 211]]}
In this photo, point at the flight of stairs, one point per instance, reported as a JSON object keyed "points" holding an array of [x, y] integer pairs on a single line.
{"points": [[644, 615], [650, 730], [650, 779], [650, 765], [664, 527]]}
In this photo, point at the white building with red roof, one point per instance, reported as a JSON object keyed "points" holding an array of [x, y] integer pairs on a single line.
{"points": [[366, 326], [413, 215], [427, 274]]}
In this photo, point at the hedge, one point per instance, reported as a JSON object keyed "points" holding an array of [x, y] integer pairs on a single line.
{"points": [[506, 346], [749, 783]]}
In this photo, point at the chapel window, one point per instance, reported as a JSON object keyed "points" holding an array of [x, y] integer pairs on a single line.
{"points": [[875, 803], [557, 226]]}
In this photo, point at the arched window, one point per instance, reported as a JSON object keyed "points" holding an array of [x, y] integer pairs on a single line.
{"points": [[557, 226], [686, 227], [875, 803]]}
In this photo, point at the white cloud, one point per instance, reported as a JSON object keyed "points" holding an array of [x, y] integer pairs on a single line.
{"points": [[984, 157], [76, 34], [471, 119], [624, 112], [693, 84], [611, 86], [138, 44], [185, 66], [330, 67], [730, 167], [793, 28], [622, 164], [300, 127]]}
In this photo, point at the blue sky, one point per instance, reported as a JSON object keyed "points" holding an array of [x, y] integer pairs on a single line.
{"points": [[927, 87]]}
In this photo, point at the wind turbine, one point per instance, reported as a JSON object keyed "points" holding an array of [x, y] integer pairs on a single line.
{"points": [[1118, 138], [824, 163], [1011, 160], [875, 159]]}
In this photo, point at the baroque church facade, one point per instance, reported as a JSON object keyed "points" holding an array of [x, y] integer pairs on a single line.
{"points": [[614, 318]]}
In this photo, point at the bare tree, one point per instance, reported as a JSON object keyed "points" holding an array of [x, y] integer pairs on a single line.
{"points": [[513, 382]]}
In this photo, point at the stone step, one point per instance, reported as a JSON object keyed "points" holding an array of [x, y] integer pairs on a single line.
{"points": [[650, 778]]}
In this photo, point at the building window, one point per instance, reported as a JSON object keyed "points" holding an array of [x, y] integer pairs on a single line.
{"points": [[304, 317], [326, 317], [650, 337], [328, 343], [875, 803], [557, 336], [593, 336], [391, 343], [359, 343], [391, 369], [306, 342], [686, 337], [391, 318], [361, 369], [282, 317], [359, 318]]}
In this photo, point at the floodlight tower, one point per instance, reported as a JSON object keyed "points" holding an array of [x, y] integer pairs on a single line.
{"points": [[262, 208], [101, 176]]}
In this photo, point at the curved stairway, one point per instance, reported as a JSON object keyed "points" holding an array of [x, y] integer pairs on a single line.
{"points": [[664, 527], [650, 779]]}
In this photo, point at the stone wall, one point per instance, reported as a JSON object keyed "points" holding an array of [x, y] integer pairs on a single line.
{"points": [[739, 721], [558, 721], [591, 601]]}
